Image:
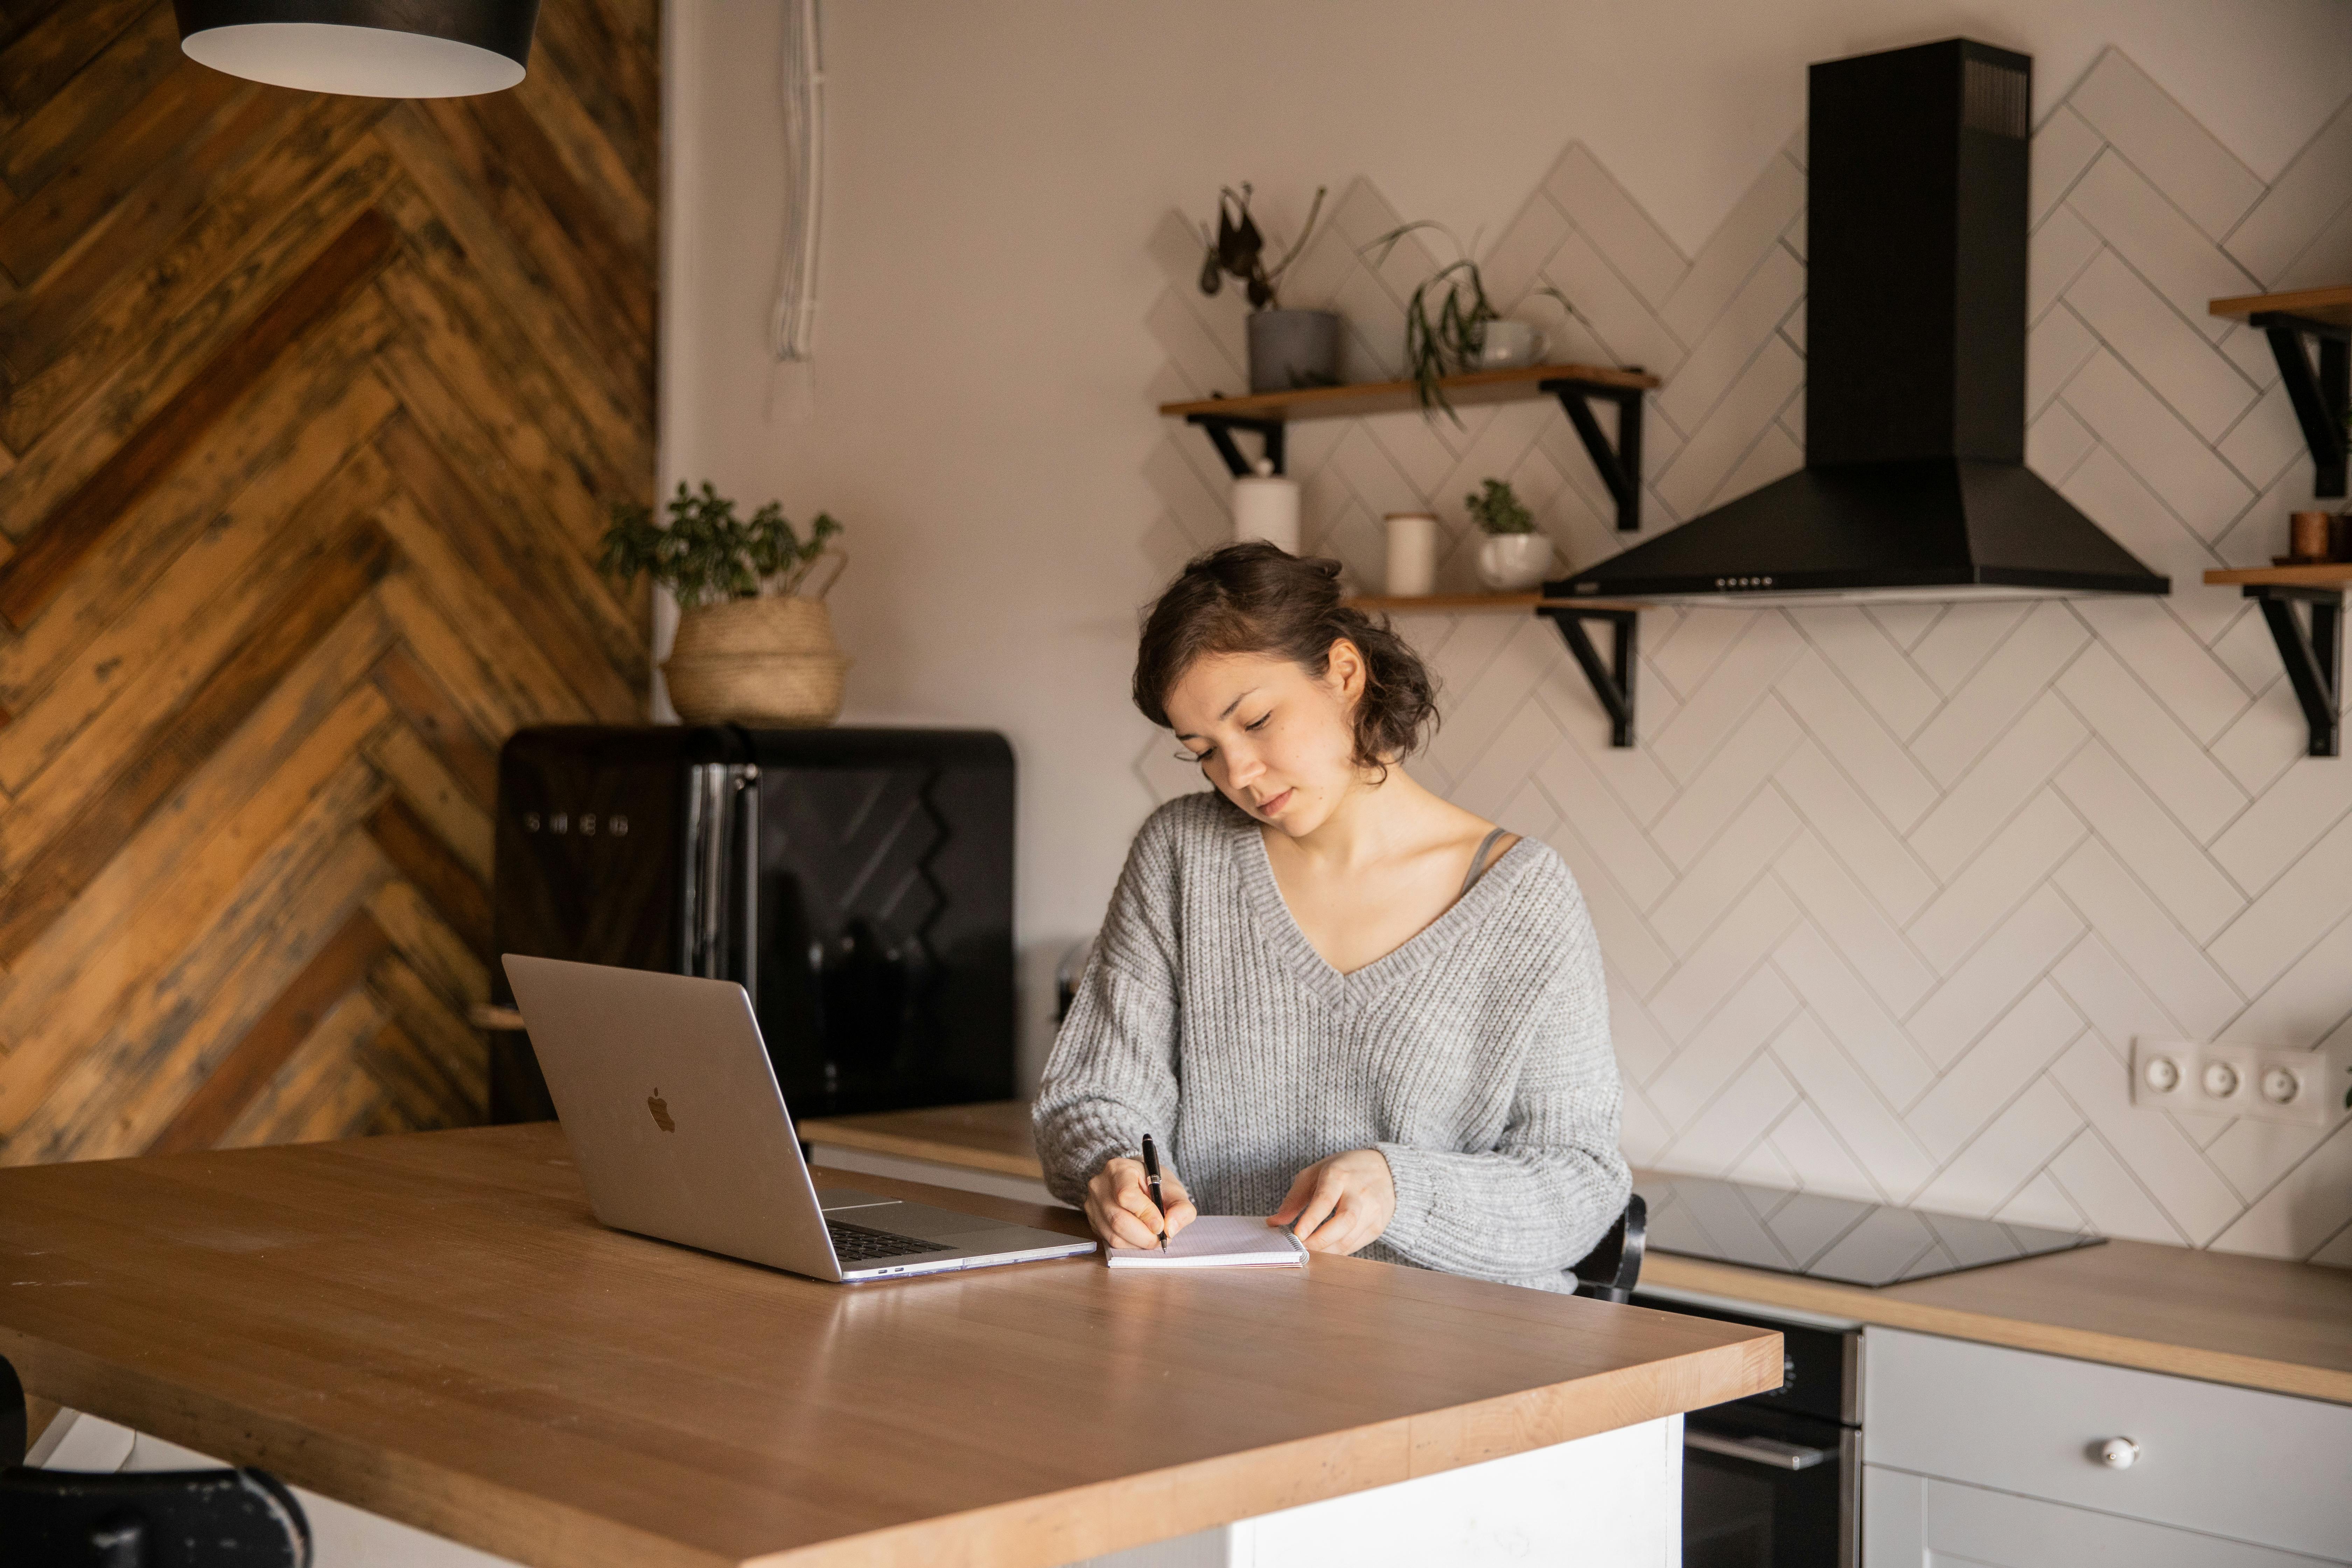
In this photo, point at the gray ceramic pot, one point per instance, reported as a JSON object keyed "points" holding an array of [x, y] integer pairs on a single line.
{"points": [[1291, 349]]}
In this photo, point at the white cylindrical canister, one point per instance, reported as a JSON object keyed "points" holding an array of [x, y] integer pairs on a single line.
{"points": [[1265, 506], [1412, 554]]}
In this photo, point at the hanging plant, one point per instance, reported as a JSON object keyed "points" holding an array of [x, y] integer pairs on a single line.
{"points": [[708, 553], [1445, 319], [1238, 250]]}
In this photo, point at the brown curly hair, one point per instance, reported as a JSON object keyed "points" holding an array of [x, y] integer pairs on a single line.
{"points": [[1257, 598]]}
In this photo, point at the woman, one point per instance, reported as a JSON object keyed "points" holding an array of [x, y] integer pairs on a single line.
{"points": [[1331, 996]]}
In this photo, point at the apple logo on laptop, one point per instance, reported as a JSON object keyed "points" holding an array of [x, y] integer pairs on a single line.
{"points": [[660, 1108]]}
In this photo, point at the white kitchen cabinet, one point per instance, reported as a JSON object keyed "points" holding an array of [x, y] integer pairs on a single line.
{"points": [[1959, 1438], [1919, 1521]]}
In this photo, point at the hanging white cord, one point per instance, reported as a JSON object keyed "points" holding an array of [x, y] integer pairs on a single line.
{"points": [[792, 329]]}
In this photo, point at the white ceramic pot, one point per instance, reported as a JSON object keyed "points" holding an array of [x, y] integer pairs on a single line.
{"points": [[1514, 563]]}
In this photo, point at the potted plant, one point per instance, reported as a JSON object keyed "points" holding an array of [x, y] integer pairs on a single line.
{"points": [[1445, 320], [1512, 557], [751, 645], [1287, 348]]}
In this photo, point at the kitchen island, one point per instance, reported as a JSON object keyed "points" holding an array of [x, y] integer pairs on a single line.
{"points": [[2255, 1322], [433, 1328]]}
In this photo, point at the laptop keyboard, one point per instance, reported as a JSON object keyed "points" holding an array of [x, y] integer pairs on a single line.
{"points": [[855, 1244]]}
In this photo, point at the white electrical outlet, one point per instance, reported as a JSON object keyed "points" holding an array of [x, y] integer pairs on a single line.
{"points": [[2265, 1082]]}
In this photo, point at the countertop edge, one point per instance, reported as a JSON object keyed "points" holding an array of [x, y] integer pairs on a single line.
{"points": [[1182, 1499], [1768, 1289]]}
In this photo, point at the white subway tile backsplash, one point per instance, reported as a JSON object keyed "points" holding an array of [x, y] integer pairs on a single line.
{"points": [[2143, 836], [2015, 767], [2180, 363], [1986, 982], [2147, 125], [2162, 244], [1748, 233], [1636, 247], [2064, 147], [2305, 197], [1973, 1089], [2019, 860], [2172, 968], [1885, 894]]}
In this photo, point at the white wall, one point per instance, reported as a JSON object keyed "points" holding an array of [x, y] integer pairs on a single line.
{"points": [[1003, 300]]}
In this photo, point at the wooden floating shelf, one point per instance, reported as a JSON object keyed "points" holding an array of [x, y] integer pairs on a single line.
{"points": [[2332, 306], [1474, 604], [1522, 384], [2329, 574], [1267, 415], [2321, 393]]}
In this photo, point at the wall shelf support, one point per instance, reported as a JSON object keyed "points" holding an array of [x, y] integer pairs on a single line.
{"points": [[2314, 657], [1620, 467], [1612, 683], [1221, 428], [2320, 393]]}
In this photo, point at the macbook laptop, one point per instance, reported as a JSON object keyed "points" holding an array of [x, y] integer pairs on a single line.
{"points": [[663, 1088]]}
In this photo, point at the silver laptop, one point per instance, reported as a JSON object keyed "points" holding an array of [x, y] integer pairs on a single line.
{"points": [[663, 1088]]}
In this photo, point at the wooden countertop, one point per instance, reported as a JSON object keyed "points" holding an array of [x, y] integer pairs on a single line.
{"points": [[2255, 1322], [434, 1328]]}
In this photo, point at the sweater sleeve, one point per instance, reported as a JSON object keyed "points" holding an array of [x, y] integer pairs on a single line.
{"points": [[1531, 1207], [1112, 1075]]}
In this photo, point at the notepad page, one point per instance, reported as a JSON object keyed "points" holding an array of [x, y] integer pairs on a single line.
{"points": [[1218, 1241]]}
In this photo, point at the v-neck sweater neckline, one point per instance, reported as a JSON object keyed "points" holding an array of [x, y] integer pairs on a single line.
{"points": [[1358, 987]]}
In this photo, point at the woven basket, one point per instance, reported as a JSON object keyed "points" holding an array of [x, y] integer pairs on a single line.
{"points": [[767, 661]]}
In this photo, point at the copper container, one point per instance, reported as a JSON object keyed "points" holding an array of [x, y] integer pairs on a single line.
{"points": [[2307, 540]]}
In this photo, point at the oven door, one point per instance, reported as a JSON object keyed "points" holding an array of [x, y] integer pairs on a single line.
{"points": [[1768, 1489]]}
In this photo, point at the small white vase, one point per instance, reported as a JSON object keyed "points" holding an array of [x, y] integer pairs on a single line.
{"points": [[1412, 554], [1514, 563]]}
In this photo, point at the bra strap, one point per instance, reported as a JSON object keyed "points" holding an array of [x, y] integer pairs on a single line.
{"points": [[1478, 861]]}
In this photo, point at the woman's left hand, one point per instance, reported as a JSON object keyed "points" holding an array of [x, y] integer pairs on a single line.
{"points": [[1340, 1204]]}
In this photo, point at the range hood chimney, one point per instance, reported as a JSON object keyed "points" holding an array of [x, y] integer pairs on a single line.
{"points": [[1915, 484]]}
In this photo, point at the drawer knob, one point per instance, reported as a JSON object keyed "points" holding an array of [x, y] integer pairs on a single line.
{"points": [[2119, 1452]]}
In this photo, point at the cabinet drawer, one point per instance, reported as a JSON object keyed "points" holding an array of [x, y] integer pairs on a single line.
{"points": [[2264, 1467], [1907, 1520]]}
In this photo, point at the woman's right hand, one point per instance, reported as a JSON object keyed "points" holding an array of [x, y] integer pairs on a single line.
{"points": [[1118, 1205]]}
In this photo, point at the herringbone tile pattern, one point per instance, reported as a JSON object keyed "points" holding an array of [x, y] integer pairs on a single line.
{"points": [[310, 409], [1886, 893]]}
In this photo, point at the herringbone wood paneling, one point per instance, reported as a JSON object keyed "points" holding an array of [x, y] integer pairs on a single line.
{"points": [[311, 408]]}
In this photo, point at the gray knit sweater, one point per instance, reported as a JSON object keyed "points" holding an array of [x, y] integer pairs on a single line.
{"points": [[1477, 1057]]}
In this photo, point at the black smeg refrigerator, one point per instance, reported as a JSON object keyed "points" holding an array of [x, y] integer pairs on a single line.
{"points": [[859, 882]]}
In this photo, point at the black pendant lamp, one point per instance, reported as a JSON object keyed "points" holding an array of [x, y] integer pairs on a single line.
{"points": [[367, 48]]}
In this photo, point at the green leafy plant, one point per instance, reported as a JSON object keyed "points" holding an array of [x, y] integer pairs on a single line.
{"points": [[709, 553], [1497, 508], [1445, 319], [1239, 250]]}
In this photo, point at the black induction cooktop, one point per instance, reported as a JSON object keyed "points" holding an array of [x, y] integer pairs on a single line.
{"points": [[1823, 1237]]}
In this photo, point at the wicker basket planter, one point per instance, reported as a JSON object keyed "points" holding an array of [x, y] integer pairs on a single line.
{"points": [[766, 661]]}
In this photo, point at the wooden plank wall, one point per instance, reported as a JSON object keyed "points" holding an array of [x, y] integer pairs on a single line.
{"points": [[310, 411]]}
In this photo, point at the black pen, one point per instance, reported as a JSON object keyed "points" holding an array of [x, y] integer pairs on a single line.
{"points": [[1151, 1177]]}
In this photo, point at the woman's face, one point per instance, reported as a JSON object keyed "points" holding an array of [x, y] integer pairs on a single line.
{"points": [[1276, 741]]}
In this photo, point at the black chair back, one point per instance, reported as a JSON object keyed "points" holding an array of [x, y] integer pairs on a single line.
{"points": [[157, 1518], [1610, 1271]]}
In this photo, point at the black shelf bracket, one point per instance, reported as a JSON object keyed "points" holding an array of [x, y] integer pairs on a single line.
{"points": [[1620, 468], [2320, 393], [2314, 657], [1612, 683], [1221, 428]]}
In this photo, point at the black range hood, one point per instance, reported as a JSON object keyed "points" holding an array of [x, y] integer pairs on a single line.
{"points": [[1915, 484]]}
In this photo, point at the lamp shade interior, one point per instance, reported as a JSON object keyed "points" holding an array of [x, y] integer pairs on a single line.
{"points": [[363, 62]]}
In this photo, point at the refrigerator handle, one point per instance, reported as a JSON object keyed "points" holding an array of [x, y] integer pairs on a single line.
{"points": [[747, 840]]}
